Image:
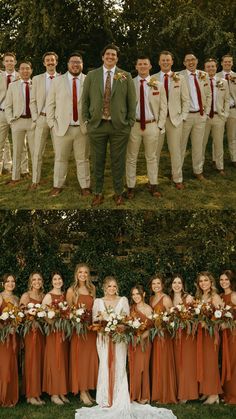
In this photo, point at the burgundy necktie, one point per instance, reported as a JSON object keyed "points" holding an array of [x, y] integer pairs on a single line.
{"points": [[227, 77], [142, 106], [51, 77], [166, 85], [27, 99], [75, 108], [8, 80], [211, 114], [199, 97]]}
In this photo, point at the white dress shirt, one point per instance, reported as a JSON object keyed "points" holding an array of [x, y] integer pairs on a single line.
{"points": [[13, 78], [148, 113], [194, 105], [23, 87], [48, 82], [105, 72]]}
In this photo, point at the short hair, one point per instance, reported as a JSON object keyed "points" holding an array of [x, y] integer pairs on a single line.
{"points": [[50, 53], [25, 62], [142, 57], [210, 60], [9, 54], [227, 56], [190, 53], [111, 46], [74, 54], [166, 52]]}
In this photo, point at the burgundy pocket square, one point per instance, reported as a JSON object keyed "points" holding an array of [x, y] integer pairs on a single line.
{"points": [[155, 93]]}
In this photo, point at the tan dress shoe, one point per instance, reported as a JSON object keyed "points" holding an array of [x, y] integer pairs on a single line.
{"points": [[55, 191], [97, 200], [179, 186], [119, 199], [154, 191], [86, 192]]}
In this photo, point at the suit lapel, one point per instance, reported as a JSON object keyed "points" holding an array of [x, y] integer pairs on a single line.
{"points": [[100, 80], [67, 84], [114, 84], [136, 88]]}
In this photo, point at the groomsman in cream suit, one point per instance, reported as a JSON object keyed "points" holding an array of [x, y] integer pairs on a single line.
{"points": [[6, 77], [230, 76], [218, 115], [108, 108], [151, 112], [18, 115], [63, 110], [200, 105], [40, 88], [178, 107]]}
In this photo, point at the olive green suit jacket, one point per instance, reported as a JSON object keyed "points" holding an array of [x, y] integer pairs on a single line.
{"points": [[123, 99]]}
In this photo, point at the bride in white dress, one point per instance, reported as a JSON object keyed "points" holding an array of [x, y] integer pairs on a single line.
{"points": [[112, 388]]}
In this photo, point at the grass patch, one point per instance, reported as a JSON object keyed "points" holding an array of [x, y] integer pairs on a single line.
{"points": [[216, 192]]}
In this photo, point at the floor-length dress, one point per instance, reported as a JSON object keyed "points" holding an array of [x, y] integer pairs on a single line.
{"points": [[121, 407], [139, 359], [34, 357], [229, 356], [163, 374], [83, 369], [9, 388], [55, 371]]}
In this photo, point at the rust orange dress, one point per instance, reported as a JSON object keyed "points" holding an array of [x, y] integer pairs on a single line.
{"points": [[139, 359], [9, 389], [208, 374], [229, 360], [34, 356], [163, 374], [185, 351], [83, 371], [55, 371]]}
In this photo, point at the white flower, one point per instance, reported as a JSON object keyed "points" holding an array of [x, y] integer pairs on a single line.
{"points": [[51, 314], [12, 316], [113, 327], [218, 314], [165, 318], [32, 311], [4, 316], [228, 314], [30, 305], [136, 323], [79, 312], [71, 316], [78, 320], [172, 324], [60, 304], [227, 307], [178, 307], [107, 329], [119, 317], [37, 305], [20, 314], [197, 310], [172, 309], [41, 314], [115, 322]]}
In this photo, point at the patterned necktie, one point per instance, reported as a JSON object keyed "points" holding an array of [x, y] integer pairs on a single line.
{"points": [[27, 99], [107, 96], [8, 80], [199, 97], [211, 114], [166, 85], [142, 105], [75, 106]]}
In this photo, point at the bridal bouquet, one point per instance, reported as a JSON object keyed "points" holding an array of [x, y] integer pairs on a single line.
{"points": [[181, 317], [160, 320], [112, 325], [57, 319], [213, 319], [80, 319], [34, 318], [134, 329], [10, 320]]}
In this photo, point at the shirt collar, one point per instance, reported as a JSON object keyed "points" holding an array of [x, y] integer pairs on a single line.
{"points": [[146, 78], [10, 74], [163, 74], [105, 70], [49, 75], [190, 72], [70, 77]]}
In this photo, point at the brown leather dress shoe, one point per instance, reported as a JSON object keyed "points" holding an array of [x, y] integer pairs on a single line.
{"points": [[119, 199], [12, 182], [97, 200], [55, 191], [179, 185], [221, 173], [25, 175], [86, 192], [199, 176], [154, 191], [130, 193], [33, 186]]}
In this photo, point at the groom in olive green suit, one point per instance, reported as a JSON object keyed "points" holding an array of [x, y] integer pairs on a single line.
{"points": [[108, 109]]}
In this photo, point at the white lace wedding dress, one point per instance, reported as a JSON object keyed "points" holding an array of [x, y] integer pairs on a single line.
{"points": [[121, 407]]}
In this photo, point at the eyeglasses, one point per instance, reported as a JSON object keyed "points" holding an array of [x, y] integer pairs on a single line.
{"points": [[75, 62]]}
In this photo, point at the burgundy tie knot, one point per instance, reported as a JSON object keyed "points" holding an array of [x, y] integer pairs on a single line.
{"points": [[51, 77]]}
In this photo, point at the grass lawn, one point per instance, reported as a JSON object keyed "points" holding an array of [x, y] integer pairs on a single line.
{"points": [[216, 192], [189, 411]]}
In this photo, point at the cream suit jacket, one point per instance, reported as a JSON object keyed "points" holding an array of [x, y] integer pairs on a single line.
{"points": [[14, 104], [231, 84], [59, 105], [222, 98], [205, 89], [38, 95], [178, 98], [157, 100], [3, 85]]}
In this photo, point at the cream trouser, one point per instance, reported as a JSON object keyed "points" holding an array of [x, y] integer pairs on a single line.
{"points": [[42, 132], [215, 126], [21, 129], [194, 126]]}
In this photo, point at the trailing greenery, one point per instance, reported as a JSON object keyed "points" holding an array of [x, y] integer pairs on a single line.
{"points": [[130, 245]]}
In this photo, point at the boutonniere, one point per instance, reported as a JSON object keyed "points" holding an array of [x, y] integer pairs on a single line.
{"points": [[202, 75], [153, 83], [232, 78], [120, 76], [175, 77], [219, 84]]}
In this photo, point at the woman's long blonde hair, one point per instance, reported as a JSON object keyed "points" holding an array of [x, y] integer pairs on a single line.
{"points": [[199, 292], [30, 281], [89, 285]]}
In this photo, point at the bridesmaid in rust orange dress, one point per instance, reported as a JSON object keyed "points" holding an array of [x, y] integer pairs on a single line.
{"points": [[9, 390], [83, 371], [164, 387], [139, 356], [185, 348], [34, 344], [55, 371], [228, 284], [207, 347]]}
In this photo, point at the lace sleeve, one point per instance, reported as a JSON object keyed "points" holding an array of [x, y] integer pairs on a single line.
{"points": [[125, 305]]}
